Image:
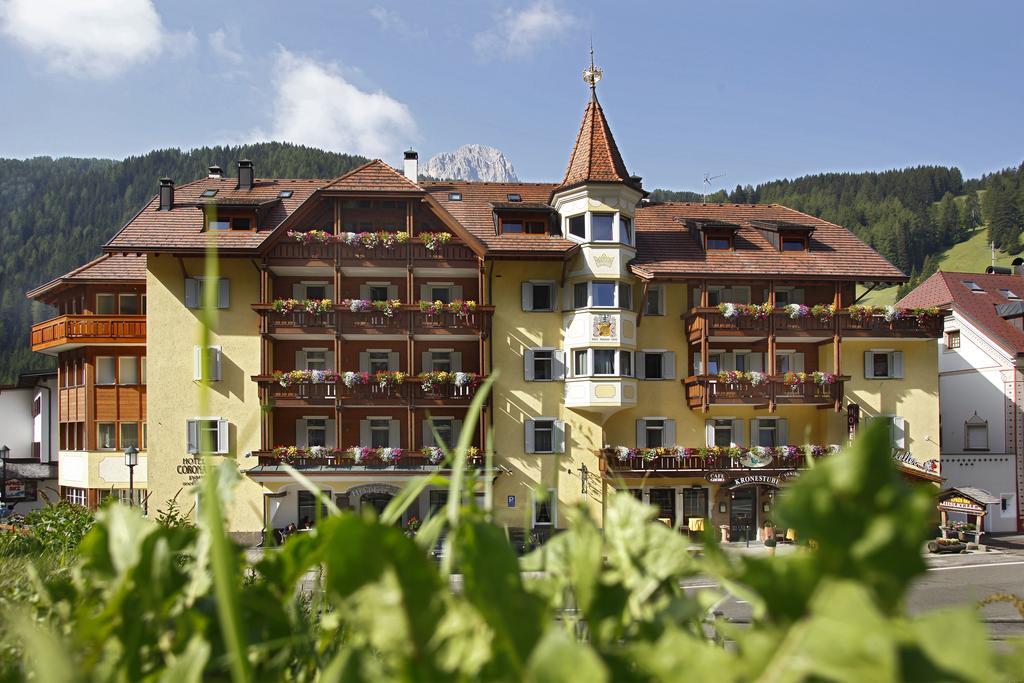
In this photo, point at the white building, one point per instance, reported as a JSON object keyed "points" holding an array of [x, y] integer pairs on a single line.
{"points": [[981, 385], [28, 427]]}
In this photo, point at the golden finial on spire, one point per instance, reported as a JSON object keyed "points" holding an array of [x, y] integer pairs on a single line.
{"points": [[592, 74]]}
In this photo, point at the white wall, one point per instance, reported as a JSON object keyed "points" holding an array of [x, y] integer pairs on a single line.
{"points": [[16, 421]]}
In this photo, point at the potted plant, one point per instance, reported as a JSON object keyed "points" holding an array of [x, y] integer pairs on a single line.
{"points": [[770, 544]]}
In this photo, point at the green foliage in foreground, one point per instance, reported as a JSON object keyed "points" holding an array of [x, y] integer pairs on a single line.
{"points": [[359, 600]]}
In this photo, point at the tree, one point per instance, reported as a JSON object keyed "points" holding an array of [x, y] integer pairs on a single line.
{"points": [[1004, 218]]}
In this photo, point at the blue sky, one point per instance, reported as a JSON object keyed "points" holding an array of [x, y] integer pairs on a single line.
{"points": [[755, 90]]}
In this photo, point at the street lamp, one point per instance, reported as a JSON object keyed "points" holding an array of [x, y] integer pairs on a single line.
{"points": [[131, 459], [5, 453]]}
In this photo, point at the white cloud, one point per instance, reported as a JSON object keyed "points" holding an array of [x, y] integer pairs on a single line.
{"points": [[521, 32], [224, 46], [315, 105], [392, 21], [93, 38]]}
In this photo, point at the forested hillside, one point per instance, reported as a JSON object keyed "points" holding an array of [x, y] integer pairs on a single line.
{"points": [[55, 214]]}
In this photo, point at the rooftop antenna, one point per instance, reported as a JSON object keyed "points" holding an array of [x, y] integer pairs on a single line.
{"points": [[992, 246], [707, 186]]}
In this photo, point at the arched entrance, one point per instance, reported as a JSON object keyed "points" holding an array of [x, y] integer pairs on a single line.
{"points": [[371, 496], [377, 501]]}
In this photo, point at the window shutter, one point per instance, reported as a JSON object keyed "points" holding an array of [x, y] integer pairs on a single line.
{"points": [[756, 361], [215, 363], [300, 360], [668, 365], [738, 437], [456, 361], [424, 293], [329, 358], [709, 432], [425, 361], [223, 293], [456, 431], [192, 436], [869, 365], [558, 364], [222, 436], [393, 361], [298, 291], [640, 369], [197, 363], [529, 436], [728, 360], [364, 433], [301, 435], [427, 434], [697, 369], [191, 292], [670, 433], [527, 294], [332, 434], [755, 432], [798, 362], [528, 364], [896, 364], [782, 431], [641, 433], [364, 291], [394, 434], [392, 292], [457, 293], [899, 432], [558, 437], [364, 361]]}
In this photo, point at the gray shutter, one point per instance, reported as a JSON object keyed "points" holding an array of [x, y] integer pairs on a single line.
{"points": [[215, 363], [222, 436], [529, 436], [755, 361], [223, 293], [364, 291], [364, 361], [329, 358], [364, 433], [755, 432], [301, 436], [869, 366], [728, 360], [670, 433], [456, 361], [782, 431], [197, 363], [332, 434], [641, 433], [392, 292], [668, 365], [558, 364], [425, 361], [899, 432], [738, 437], [300, 360], [192, 436], [394, 434], [428, 434], [796, 296], [639, 366], [192, 292], [456, 431], [709, 432], [896, 364], [298, 291], [456, 292], [394, 362], [424, 293], [798, 361], [528, 364], [558, 437], [527, 294]]}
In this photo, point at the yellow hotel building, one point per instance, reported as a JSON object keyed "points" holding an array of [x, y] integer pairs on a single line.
{"points": [[694, 354]]}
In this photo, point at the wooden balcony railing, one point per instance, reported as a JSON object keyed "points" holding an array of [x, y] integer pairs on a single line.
{"points": [[808, 393], [331, 393], [407, 319], [413, 252], [414, 461], [80, 330], [927, 327], [704, 390], [670, 464], [373, 321], [474, 322], [808, 325], [320, 393], [296, 322], [715, 324]]}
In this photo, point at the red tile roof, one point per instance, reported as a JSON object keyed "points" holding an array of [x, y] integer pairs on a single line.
{"points": [[374, 176], [948, 290], [106, 268], [667, 247], [182, 226], [595, 157]]}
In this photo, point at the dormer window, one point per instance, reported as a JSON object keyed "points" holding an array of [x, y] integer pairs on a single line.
{"points": [[222, 223], [721, 242], [512, 197], [511, 226], [794, 243], [455, 196]]}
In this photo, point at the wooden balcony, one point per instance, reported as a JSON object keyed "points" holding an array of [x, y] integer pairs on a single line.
{"points": [[807, 326], [289, 253], [672, 465], [411, 463], [707, 390], [744, 327], [808, 393], [321, 394], [910, 326], [297, 322], [441, 394], [717, 325], [72, 331], [476, 322], [373, 322]]}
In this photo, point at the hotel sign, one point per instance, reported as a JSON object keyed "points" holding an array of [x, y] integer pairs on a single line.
{"points": [[754, 479]]}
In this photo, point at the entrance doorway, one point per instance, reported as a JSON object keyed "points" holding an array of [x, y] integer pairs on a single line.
{"points": [[665, 502], [378, 501], [743, 514]]}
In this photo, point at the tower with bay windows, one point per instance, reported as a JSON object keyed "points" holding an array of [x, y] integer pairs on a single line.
{"points": [[596, 203]]}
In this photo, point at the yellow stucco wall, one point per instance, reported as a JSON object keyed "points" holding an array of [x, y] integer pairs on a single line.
{"points": [[173, 332], [100, 470]]}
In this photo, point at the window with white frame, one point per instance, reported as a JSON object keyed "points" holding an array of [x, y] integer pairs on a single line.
{"points": [[207, 432], [206, 366], [75, 496], [656, 364], [578, 226], [655, 300], [602, 363], [603, 294], [106, 436], [127, 370], [380, 433], [105, 304], [195, 287], [542, 365], [440, 360], [597, 226], [379, 360], [127, 304], [538, 296], [439, 430], [724, 432], [721, 294], [883, 364], [655, 432], [545, 435], [769, 432], [129, 435], [314, 290], [316, 359], [316, 432], [789, 361], [976, 433], [788, 295], [545, 507], [106, 370]]}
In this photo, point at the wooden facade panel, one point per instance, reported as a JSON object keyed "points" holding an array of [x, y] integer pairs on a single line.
{"points": [[106, 403]]}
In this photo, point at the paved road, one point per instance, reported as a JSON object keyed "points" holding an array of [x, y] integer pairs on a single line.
{"points": [[950, 580]]}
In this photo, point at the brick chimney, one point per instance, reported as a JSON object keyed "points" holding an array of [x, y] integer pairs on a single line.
{"points": [[166, 194], [412, 164], [245, 175]]}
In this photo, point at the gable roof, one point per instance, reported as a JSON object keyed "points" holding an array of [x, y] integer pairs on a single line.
{"points": [[373, 176], [947, 289], [595, 156], [120, 268], [668, 246]]}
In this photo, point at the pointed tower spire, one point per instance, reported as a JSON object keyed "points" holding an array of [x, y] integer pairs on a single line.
{"points": [[595, 158]]}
